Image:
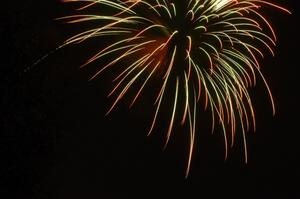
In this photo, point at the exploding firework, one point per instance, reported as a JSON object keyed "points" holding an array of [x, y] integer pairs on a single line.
{"points": [[200, 52]]}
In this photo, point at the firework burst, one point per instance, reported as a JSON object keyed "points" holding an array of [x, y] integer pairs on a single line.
{"points": [[200, 53]]}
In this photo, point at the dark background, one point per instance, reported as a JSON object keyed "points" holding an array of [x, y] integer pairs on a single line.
{"points": [[56, 143]]}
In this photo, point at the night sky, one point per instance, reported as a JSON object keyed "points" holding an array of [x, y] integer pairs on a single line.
{"points": [[56, 143]]}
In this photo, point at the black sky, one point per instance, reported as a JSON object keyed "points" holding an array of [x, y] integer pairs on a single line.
{"points": [[55, 142]]}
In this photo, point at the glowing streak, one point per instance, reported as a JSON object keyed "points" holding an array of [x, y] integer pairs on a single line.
{"points": [[219, 4], [186, 98], [142, 87], [192, 127], [162, 90], [173, 115]]}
